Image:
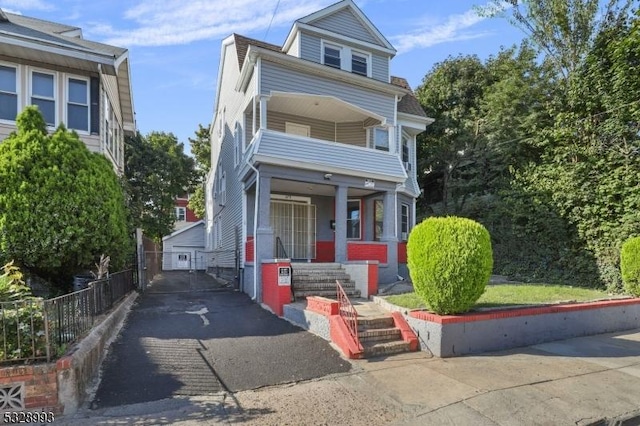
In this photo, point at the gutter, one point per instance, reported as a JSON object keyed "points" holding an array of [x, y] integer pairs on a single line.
{"points": [[255, 231]]}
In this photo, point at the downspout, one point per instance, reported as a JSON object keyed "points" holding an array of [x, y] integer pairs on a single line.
{"points": [[255, 231]]}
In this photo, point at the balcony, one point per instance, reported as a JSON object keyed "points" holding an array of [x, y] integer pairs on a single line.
{"points": [[321, 133]]}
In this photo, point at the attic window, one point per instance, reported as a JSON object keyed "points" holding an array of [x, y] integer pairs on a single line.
{"points": [[332, 56], [358, 64]]}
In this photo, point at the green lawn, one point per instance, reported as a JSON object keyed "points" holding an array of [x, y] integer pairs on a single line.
{"points": [[505, 295]]}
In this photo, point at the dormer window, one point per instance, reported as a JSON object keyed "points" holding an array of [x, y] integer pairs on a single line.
{"points": [[359, 64], [332, 56]]}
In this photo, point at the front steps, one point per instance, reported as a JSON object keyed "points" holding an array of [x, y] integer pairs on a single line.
{"points": [[319, 279], [378, 333]]}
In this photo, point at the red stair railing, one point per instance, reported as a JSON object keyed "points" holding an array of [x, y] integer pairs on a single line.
{"points": [[347, 312]]}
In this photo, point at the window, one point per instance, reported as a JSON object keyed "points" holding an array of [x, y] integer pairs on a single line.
{"points": [[181, 214], [404, 222], [237, 143], [42, 95], [332, 56], [353, 219], [297, 129], [380, 138], [78, 104], [8, 93], [109, 123], [359, 64], [378, 207], [406, 160]]}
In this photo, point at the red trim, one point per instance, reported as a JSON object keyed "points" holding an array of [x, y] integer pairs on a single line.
{"points": [[248, 250], [520, 312], [325, 251], [372, 279], [367, 251], [322, 305], [402, 252], [407, 333], [340, 336], [274, 295]]}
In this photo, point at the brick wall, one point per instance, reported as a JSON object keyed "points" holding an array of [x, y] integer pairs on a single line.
{"points": [[249, 250], [39, 386]]}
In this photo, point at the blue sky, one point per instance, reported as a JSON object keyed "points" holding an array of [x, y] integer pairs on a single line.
{"points": [[175, 44]]}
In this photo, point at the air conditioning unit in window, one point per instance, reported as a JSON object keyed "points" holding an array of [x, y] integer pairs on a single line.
{"points": [[407, 166]]}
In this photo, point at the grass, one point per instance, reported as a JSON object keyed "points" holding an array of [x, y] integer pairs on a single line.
{"points": [[506, 295]]}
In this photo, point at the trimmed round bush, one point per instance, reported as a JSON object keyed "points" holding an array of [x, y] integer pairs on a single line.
{"points": [[630, 266], [450, 261]]}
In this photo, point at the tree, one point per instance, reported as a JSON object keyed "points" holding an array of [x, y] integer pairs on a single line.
{"points": [[201, 149], [157, 171], [61, 206], [564, 30]]}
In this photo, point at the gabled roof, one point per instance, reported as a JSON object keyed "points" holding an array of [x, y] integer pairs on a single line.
{"points": [[409, 104], [38, 29], [242, 45], [182, 230], [353, 9]]}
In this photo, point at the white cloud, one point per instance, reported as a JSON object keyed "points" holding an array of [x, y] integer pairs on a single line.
{"points": [[455, 28], [174, 22], [26, 5]]}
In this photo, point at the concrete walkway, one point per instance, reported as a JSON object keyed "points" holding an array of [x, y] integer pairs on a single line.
{"points": [[583, 381]]}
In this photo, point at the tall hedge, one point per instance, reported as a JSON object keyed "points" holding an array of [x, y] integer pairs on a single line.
{"points": [[450, 262], [61, 206], [630, 266]]}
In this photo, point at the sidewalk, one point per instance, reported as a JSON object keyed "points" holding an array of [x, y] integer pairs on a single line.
{"points": [[573, 382]]}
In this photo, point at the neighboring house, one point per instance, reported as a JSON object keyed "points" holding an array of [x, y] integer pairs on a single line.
{"points": [[184, 215], [80, 83], [313, 150], [184, 249]]}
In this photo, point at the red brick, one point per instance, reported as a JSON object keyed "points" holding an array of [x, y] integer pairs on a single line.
{"points": [[249, 250], [64, 363], [402, 252], [322, 305]]}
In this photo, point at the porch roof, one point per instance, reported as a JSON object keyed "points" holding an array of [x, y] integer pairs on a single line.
{"points": [[321, 107]]}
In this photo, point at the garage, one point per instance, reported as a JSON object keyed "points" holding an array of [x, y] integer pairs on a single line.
{"points": [[184, 249]]}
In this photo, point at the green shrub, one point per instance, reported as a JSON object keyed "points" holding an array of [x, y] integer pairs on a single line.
{"points": [[450, 262], [630, 266]]}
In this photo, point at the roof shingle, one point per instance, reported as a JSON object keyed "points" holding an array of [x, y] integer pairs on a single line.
{"points": [[409, 103]]}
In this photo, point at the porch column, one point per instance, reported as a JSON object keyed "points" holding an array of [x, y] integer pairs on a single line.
{"points": [[340, 237], [390, 237], [263, 245]]}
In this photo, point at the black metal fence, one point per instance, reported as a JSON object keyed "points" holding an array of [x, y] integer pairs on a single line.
{"points": [[42, 329]]}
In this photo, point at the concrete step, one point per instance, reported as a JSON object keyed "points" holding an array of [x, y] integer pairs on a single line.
{"points": [[322, 286], [331, 294], [379, 335], [320, 278], [315, 266], [371, 323], [373, 349]]}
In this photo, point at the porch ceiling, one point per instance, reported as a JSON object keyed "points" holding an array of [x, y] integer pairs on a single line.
{"points": [[327, 108], [307, 188]]}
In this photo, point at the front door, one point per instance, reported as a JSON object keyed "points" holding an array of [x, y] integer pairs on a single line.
{"points": [[293, 221]]}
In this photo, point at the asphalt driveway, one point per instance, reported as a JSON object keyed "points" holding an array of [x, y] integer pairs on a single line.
{"points": [[188, 335]]}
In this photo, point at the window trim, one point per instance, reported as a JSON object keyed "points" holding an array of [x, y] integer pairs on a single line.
{"points": [[365, 55], [323, 54], [182, 210], [371, 136], [54, 74], [87, 105], [237, 143], [359, 237], [17, 93], [404, 230]]}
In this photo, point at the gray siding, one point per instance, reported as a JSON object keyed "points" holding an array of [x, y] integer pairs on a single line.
{"points": [[276, 77], [353, 160], [380, 67], [231, 213], [310, 47], [193, 237], [352, 133], [324, 130], [346, 23]]}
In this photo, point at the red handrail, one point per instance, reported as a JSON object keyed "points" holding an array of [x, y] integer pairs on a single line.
{"points": [[347, 312]]}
